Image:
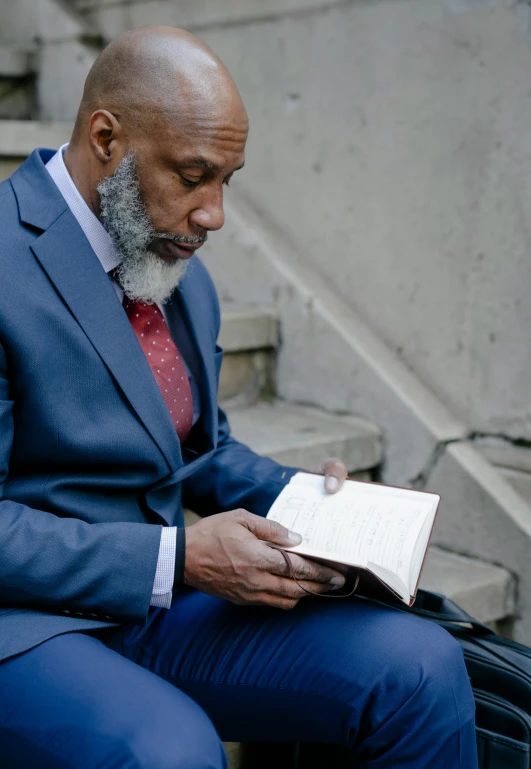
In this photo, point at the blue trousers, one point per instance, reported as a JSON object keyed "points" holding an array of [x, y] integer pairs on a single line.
{"points": [[390, 686]]}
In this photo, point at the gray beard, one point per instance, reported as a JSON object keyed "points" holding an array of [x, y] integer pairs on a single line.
{"points": [[143, 275]]}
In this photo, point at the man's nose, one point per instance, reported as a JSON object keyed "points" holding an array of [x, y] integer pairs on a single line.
{"points": [[210, 215]]}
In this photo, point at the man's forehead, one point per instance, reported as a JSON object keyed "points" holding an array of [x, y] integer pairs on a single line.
{"points": [[211, 121], [207, 145]]}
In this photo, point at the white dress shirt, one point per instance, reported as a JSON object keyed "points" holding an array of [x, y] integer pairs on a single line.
{"points": [[101, 243]]}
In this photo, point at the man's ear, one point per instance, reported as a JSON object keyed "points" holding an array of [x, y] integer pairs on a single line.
{"points": [[105, 137]]}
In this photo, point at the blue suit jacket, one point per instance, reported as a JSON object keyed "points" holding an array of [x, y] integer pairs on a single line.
{"points": [[90, 465]]}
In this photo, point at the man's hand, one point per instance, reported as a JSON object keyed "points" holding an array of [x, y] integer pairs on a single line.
{"points": [[225, 557], [335, 474]]}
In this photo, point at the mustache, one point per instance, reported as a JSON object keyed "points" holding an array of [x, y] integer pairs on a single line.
{"points": [[190, 239]]}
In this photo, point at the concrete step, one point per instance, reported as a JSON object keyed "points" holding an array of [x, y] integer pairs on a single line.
{"points": [[514, 463], [248, 327], [249, 336], [302, 436], [18, 138], [483, 590], [16, 62], [505, 455], [17, 82]]}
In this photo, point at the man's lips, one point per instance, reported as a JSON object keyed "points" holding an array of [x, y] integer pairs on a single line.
{"points": [[170, 250]]}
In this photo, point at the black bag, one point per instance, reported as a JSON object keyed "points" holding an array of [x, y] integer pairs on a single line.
{"points": [[500, 674]]}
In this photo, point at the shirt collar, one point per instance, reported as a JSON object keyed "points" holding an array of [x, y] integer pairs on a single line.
{"points": [[95, 232]]}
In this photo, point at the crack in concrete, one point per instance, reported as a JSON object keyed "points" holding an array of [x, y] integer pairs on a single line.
{"points": [[421, 479], [477, 435]]}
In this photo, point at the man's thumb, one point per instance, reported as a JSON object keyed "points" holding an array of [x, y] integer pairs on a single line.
{"points": [[271, 531]]}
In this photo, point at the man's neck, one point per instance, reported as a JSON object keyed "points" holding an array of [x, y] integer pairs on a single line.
{"points": [[80, 172]]}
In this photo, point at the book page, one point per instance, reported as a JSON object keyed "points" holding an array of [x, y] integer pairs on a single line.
{"points": [[390, 579], [362, 523]]}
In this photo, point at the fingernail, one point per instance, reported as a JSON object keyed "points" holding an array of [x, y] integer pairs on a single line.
{"points": [[332, 483], [294, 538], [337, 582]]}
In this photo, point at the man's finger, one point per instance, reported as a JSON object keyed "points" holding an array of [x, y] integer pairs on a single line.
{"points": [[270, 531], [335, 474], [288, 588], [305, 569]]}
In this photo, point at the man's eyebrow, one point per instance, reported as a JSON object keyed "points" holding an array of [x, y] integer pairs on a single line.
{"points": [[199, 162]]}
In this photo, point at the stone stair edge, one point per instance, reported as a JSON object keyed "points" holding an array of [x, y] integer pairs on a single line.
{"points": [[18, 138], [512, 462], [504, 455], [248, 327], [354, 420], [484, 590], [303, 436]]}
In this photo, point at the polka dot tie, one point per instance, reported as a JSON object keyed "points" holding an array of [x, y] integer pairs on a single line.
{"points": [[165, 361]]}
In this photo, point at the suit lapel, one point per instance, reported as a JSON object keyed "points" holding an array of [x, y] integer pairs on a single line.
{"points": [[74, 269], [188, 306]]}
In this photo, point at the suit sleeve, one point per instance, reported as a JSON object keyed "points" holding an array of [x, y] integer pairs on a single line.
{"points": [[235, 477], [52, 563]]}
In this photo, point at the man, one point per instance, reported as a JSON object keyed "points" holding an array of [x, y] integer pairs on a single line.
{"points": [[123, 644]]}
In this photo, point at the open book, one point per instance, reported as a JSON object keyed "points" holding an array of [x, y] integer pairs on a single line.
{"points": [[383, 531]]}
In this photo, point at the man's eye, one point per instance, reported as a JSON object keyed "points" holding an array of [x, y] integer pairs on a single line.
{"points": [[189, 182]]}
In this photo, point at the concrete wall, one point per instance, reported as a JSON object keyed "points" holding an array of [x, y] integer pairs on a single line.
{"points": [[57, 39], [391, 140]]}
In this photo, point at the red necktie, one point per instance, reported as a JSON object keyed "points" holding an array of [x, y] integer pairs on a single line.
{"points": [[165, 361]]}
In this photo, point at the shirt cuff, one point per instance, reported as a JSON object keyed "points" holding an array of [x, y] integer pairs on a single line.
{"points": [[165, 573]]}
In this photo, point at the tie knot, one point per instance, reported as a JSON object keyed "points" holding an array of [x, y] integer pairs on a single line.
{"points": [[140, 309]]}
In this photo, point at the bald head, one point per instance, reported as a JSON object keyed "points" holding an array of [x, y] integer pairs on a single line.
{"points": [[157, 72]]}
